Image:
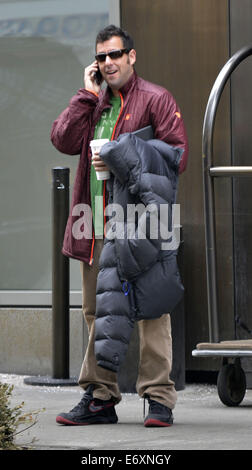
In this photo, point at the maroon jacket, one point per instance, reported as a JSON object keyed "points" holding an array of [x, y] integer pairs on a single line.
{"points": [[142, 104]]}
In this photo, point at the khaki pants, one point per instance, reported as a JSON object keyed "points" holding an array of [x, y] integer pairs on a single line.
{"points": [[155, 344]]}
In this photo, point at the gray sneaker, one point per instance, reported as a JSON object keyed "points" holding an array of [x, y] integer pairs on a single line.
{"points": [[159, 415], [89, 411]]}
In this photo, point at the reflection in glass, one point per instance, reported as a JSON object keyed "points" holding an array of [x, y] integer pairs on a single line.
{"points": [[44, 46]]}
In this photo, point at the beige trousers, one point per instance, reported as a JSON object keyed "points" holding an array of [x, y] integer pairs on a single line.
{"points": [[155, 355]]}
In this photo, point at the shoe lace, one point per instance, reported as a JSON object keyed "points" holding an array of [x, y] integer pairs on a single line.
{"points": [[154, 406], [86, 399]]}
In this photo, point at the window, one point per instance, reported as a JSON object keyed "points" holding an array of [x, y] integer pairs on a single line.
{"points": [[44, 46]]}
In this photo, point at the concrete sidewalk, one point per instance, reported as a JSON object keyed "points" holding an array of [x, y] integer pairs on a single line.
{"points": [[201, 421]]}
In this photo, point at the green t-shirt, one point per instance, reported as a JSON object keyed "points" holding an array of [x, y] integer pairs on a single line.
{"points": [[104, 129]]}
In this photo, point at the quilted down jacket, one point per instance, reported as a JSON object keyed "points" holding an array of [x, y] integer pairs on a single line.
{"points": [[138, 279]]}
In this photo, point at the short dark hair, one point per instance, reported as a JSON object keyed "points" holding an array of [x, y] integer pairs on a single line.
{"points": [[112, 30]]}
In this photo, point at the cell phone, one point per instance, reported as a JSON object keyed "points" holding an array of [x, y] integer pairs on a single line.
{"points": [[98, 77]]}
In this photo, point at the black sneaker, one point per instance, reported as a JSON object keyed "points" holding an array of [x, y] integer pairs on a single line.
{"points": [[89, 411], [159, 415]]}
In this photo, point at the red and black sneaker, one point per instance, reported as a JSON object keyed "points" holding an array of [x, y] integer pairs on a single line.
{"points": [[89, 411], [159, 415]]}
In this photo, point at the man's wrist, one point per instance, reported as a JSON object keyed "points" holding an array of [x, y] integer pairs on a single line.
{"points": [[92, 91]]}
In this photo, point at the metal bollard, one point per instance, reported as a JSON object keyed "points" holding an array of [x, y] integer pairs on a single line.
{"points": [[60, 274]]}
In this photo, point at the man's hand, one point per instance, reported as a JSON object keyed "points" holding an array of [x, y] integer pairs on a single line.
{"points": [[89, 78], [98, 163]]}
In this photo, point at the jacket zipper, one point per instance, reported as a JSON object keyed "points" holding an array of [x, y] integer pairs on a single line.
{"points": [[104, 190], [122, 104], [104, 207]]}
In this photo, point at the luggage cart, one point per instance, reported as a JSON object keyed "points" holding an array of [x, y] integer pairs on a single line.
{"points": [[231, 382]]}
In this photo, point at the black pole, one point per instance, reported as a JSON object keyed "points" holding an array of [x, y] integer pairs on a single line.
{"points": [[60, 274]]}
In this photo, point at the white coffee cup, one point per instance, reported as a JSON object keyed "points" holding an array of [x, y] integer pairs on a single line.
{"points": [[96, 146]]}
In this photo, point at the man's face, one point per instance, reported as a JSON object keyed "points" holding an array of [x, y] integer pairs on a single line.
{"points": [[116, 72]]}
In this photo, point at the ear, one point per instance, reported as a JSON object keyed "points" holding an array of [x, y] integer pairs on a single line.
{"points": [[132, 56]]}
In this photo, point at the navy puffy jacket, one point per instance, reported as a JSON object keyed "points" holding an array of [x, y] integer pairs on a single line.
{"points": [[138, 276]]}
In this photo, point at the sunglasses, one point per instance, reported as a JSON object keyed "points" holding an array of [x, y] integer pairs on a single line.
{"points": [[116, 54]]}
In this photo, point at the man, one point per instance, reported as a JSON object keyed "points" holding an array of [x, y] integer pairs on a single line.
{"points": [[127, 103]]}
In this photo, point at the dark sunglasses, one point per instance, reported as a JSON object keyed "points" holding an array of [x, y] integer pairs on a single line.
{"points": [[116, 54]]}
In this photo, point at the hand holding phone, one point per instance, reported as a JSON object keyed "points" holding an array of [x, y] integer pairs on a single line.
{"points": [[93, 78]]}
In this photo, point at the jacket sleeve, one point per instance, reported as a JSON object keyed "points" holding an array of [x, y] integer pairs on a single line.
{"points": [[169, 125], [68, 130]]}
